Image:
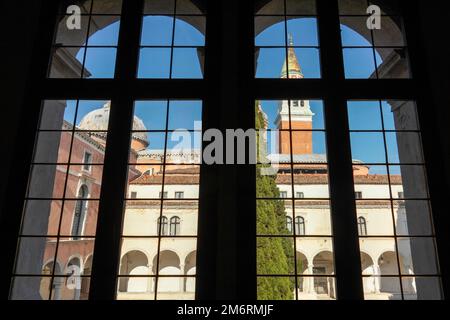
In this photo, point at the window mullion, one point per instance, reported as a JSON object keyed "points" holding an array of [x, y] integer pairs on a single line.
{"points": [[205, 287], [344, 224], [109, 226]]}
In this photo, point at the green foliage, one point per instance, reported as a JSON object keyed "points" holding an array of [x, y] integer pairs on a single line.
{"points": [[275, 255]]}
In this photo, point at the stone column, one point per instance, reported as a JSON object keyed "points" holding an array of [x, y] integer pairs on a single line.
{"points": [[150, 280], [182, 289], [311, 288], [377, 283]]}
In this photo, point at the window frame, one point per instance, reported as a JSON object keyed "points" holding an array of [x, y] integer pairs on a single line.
{"points": [[224, 92]]}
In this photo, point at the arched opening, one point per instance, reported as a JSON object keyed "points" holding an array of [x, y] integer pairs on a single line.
{"points": [[73, 280], [79, 214], [46, 282], [389, 266], [190, 269], [370, 282], [85, 281], [169, 268], [323, 265], [134, 263]]}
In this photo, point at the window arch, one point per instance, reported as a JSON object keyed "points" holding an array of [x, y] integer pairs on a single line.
{"points": [[289, 224], [362, 226], [162, 225], [300, 226], [80, 212], [174, 226]]}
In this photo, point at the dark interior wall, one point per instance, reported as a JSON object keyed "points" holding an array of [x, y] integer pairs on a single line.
{"points": [[19, 25], [434, 29]]}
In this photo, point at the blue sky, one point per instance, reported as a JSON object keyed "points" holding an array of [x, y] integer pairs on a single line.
{"points": [[155, 63]]}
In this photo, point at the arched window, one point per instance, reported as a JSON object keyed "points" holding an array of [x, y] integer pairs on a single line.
{"points": [[174, 226], [362, 226], [162, 225], [289, 224], [80, 212], [300, 226]]}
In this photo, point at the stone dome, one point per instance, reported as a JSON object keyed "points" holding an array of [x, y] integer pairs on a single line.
{"points": [[98, 120]]}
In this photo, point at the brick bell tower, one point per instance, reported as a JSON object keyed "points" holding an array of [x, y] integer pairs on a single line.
{"points": [[301, 114]]}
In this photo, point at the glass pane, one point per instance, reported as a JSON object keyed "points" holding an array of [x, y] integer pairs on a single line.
{"points": [[351, 38], [266, 59], [154, 63], [188, 35], [159, 7], [185, 115], [357, 7], [302, 31], [188, 63], [107, 6], [100, 63], [382, 288], [157, 30], [359, 63], [310, 287], [430, 288], [276, 288], [304, 7]]}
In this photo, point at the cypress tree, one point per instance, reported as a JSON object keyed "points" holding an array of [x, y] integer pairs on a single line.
{"points": [[274, 254]]}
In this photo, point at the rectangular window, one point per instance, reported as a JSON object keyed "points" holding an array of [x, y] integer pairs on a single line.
{"points": [[133, 195], [179, 195], [163, 195], [291, 156], [398, 254], [158, 257], [358, 195], [61, 202], [87, 161], [86, 48]]}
